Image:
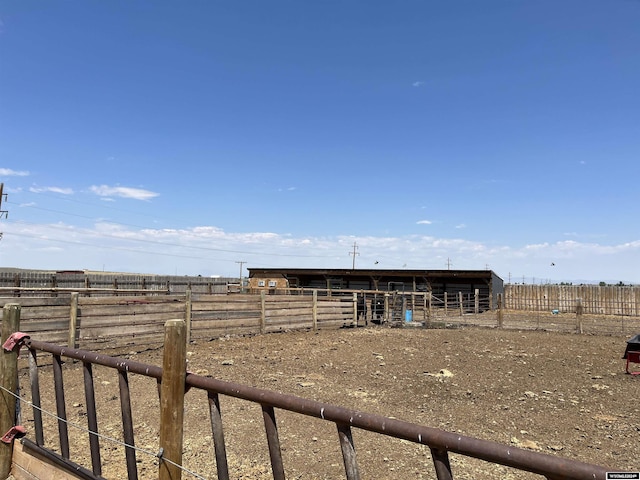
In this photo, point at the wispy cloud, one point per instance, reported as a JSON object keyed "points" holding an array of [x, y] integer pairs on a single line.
{"points": [[123, 192], [7, 172], [424, 222], [419, 83], [210, 249], [461, 225], [63, 191]]}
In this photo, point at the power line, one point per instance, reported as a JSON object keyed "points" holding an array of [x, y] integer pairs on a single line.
{"points": [[147, 241], [84, 203], [101, 435]]}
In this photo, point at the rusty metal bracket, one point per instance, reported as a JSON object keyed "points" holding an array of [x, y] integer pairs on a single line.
{"points": [[14, 432]]}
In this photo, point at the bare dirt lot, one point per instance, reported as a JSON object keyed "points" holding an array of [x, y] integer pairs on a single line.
{"points": [[562, 394]]}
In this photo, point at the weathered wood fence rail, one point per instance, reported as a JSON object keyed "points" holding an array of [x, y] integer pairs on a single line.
{"points": [[75, 320], [122, 316], [593, 299], [52, 284]]}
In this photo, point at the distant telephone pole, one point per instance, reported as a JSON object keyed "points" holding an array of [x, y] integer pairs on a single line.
{"points": [[354, 253], [449, 263], [3, 213], [241, 262]]}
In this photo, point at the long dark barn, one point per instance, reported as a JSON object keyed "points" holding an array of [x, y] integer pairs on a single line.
{"points": [[437, 282]]}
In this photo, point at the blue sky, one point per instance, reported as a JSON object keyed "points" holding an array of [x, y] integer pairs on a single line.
{"points": [[183, 137]]}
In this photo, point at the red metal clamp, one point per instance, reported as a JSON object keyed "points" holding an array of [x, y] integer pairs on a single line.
{"points": [[15, 340], [14, 432]]}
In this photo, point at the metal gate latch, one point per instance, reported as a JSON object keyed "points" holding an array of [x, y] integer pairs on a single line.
{"points": [[16, 339], [14, 432]]}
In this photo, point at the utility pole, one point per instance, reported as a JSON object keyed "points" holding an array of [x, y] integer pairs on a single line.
{"points": [[3, 213], [241, 262], [449, 263], [354, 253]]}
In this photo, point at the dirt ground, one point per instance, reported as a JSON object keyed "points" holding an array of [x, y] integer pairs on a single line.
{"points": [[562, 394]]}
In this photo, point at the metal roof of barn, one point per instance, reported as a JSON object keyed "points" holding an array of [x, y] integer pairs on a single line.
{"points": [[348, 272]]}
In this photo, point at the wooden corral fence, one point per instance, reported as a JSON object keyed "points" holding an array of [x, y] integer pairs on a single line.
{"points": [[105, 322], [592, 299], [174, 382], [53, 284]]}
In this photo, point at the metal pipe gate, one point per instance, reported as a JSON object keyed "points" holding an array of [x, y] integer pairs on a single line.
{"points": [[441, 443]]}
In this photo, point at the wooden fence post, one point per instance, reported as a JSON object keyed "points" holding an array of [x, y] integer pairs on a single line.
{"points": [[16, 293], [172, 391], [476, 301], [386, 316], [314, 310], [187, 314], [413, 305], [355, 308], [461, 302], [579, 309], [54, 286], [446, 302], [73, 320], [263, 312], [9, 382], [500, 311]]}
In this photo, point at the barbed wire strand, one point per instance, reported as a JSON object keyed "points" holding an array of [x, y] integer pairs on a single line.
{"points": [[158, 455]]}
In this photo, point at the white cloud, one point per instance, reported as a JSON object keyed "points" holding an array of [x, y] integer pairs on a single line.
{"points": [[63, 191], [461, 225], [419, 83], [211, 250], [124, 192], [13, 173], [424, 222]]}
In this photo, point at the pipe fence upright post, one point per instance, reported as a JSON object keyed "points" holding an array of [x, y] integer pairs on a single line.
{"points": [[500, 311], [172, 391], [73, 320], [263, 312], [314, 310], [187, 315], [9, 381]]}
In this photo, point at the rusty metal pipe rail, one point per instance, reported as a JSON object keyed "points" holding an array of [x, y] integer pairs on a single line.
{"points": [[540, 463], [439, 441], [132, 366]]}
